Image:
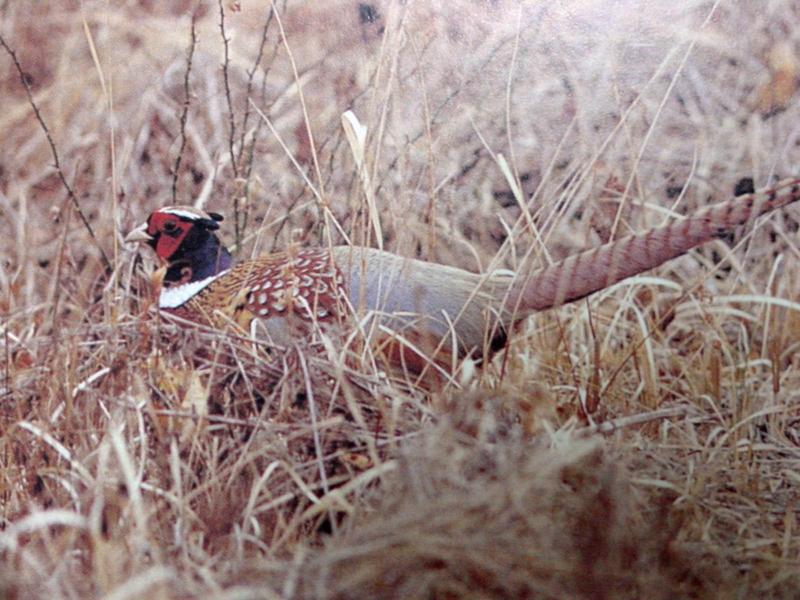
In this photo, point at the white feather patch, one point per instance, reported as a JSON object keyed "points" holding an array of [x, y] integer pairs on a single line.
{"points": [[181, 213], [173, 297]]}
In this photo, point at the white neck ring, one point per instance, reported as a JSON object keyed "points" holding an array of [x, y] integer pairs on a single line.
{"points": [[173, 297]]}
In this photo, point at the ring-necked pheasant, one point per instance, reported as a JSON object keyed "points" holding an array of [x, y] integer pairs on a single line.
{"points": [[410, 306]]}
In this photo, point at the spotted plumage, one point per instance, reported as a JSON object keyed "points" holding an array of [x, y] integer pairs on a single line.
{"points": [[396, 303], [305, 286]]}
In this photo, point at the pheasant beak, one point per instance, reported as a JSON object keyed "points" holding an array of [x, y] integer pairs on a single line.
{"points": [[139, 234]]}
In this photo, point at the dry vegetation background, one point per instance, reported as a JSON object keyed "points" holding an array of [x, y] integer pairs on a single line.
{"points": [[137, 460]]}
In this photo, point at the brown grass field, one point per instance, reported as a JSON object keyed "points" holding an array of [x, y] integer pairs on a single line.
{"points": [[642, 443]]}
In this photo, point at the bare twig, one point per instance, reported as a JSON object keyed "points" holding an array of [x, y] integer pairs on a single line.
{"points": [[7, 349], [226, 82], [185, 112], [306, 119], [57, 278], [237, 219], [608, 427], [666, 96], [250, 76], [315, 427], [25, 83], [248, 163]]}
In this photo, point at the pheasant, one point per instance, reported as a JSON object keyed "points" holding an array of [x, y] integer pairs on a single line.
{"points": [[410, 309]]}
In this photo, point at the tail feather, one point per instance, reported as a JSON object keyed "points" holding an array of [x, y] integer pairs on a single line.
{"points": [[581, 274]]}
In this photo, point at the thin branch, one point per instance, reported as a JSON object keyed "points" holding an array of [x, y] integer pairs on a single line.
{"points": [[185, 112], [248, 164], [7, 348], [302, 99], [237, 227], [608, 427], [250, 76], [24, 79], [226, 82]]}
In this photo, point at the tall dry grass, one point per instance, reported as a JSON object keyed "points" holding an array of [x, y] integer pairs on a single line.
{"points": [[643, 443]]}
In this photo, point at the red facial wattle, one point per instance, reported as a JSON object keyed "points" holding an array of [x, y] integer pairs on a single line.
{"points": [[169, 232]]}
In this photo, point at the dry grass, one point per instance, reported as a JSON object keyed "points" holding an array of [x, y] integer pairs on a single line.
{"points": [[138, 459]]}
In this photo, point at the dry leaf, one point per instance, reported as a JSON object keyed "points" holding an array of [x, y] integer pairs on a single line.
{"points": [[775, 94], [195, 401], [195, 398], [357, 461]]}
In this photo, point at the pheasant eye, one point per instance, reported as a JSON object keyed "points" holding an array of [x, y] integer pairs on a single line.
{"points": [[170, 227]]}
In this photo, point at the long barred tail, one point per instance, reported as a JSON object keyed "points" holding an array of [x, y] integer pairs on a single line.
{"points": [[581, 274]]}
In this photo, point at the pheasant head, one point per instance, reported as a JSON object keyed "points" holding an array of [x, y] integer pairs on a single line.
{"points": [[185, 241], [202, 284]]}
